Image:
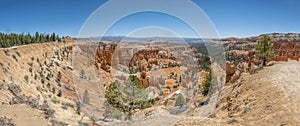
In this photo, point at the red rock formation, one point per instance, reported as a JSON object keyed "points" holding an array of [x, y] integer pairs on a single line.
{"points": [[103, 56], [286, 50], [230, 70], [144, 60]]}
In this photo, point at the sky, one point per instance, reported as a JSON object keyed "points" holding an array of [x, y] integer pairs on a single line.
{"points": [[231, 18]]}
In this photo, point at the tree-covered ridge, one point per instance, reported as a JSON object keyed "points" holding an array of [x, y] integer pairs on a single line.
{"points": [[13, 39]]}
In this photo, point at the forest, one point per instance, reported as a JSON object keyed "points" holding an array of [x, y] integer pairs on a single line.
{"points": [[13, 39]]}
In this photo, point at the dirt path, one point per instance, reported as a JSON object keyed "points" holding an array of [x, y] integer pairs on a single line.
{"points": [[287, 79], [269, 98]]}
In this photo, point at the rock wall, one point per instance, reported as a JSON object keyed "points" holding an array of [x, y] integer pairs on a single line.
{"points": [[145, 60], [286, 50], [103, 56]]}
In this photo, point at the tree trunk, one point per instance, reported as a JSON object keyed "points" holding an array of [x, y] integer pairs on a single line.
{"points": [[264, 62]]}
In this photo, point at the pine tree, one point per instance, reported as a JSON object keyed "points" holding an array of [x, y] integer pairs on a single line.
{"points": [[53, 37], [265, 49], [37, 37], [180, 101], [127, 97], [206, 84]]}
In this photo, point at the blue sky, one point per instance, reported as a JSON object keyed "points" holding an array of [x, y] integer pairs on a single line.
{"points": [[232, 18]]}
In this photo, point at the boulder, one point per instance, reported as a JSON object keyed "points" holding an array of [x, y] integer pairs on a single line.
{"points": [[253, 69], [5, 121], [236, 76], [15, 89], [271, 63]]}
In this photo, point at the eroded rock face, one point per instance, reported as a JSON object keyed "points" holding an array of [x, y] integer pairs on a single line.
{"points": [[241, 54], [286, 50], [150, 59], [103, 56], [230, 70]]}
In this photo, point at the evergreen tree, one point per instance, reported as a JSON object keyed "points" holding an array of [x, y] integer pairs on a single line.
{"points": [[47, 38], [180, 100], [37, 37], [265, 49], [53, 37], [127, 96], [206, 84], [13, 39]]}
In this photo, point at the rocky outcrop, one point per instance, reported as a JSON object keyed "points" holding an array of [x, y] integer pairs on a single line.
{"points": [[22, 99], [6, 121], [150, 59], [241, 51], [15, 89], [103, 56], [286, 50]]}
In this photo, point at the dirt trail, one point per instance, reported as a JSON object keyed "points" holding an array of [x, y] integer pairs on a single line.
{"points": [[287, 78], [270, 98]]}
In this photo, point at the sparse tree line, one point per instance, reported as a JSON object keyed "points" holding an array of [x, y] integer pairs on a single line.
{"points": [[13, 39]]}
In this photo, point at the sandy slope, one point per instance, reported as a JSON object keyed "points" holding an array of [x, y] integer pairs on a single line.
{"points": [[23, 115], [270, 98]]}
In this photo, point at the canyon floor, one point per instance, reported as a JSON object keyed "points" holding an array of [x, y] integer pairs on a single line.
{"points": [[270, 97]]}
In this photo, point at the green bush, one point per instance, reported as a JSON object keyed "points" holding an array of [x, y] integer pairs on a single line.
{"points": [[26, 77], [232, 121], [180, 100]]}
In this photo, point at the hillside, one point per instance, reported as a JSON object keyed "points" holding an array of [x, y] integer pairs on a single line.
{"points": [[37, 78], [270, 97], [68, 82]]}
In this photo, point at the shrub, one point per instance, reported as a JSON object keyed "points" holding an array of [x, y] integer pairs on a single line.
{"points": [[35, 76], [166, 102], [59, 93], [38, 87], [232, 121], [86, 98], [78, 106], [43, 80], [48, 86], [15, 58], [68, 105], [49, 113], [136, 81], [55, 101], [18, 54], [6, 51], [82, 74], [53, 90], [26, 78], [30, 69], [59, 75]]}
